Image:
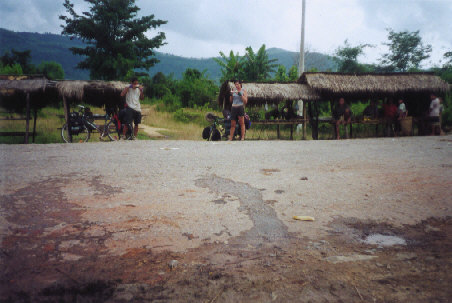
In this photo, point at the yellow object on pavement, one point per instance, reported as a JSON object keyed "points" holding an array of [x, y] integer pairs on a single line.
{"points": [[303, 218]]}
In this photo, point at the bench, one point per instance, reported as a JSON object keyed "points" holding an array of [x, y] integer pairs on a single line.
{"points": [[291, 122], [24, 134]]}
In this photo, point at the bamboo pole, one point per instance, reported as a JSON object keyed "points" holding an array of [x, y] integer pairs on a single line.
{"points": [[27, 122], [35, 114], [67, 110], [304, 120]]}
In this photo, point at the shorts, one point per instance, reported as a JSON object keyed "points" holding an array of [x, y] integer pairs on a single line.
{"points": [[433, 119], [236, 112], [127, 115]]}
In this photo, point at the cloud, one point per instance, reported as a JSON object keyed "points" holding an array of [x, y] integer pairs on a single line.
{"points": [[203, 28]]}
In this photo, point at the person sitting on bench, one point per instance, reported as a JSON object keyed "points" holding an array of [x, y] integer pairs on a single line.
{"points": [[371, 111]]}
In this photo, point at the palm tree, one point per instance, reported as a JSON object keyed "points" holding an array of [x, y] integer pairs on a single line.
{"points": [[257, 66], [232, 67]]}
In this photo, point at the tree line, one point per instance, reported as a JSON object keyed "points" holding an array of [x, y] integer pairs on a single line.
{"points": [[117, 47], [19, 63], [406, 51]]}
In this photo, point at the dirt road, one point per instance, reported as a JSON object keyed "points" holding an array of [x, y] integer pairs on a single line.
{"points": [[191, 221]]}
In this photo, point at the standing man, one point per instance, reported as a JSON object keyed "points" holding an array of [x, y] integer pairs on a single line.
{"points": [[132, 112], [342, 115], [434, 111]]}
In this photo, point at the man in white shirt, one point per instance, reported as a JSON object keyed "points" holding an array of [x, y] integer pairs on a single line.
{"points": [[132, 112], [434, 111]]}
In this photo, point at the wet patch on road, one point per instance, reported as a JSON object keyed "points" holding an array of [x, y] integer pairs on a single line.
{"points": [[43, 229], [103, 189], [264, 218]]}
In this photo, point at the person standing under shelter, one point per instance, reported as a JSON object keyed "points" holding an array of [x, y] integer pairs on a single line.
{"points": [[390, 114], [132, 112], [341, 115], [434, 112]]}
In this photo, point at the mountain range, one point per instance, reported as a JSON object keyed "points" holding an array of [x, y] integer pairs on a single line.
{"points": [[52, 47]]}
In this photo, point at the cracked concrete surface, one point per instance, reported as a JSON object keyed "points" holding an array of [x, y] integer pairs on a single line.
{"points": [[69, 212]]}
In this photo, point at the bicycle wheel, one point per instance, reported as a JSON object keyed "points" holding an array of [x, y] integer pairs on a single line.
{"points": [[79, 137], [109, 132], [129, 132], [215, 135], [206, 132]]}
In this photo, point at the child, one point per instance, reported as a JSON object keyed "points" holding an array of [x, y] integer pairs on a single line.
{"points": [[402, 110]]}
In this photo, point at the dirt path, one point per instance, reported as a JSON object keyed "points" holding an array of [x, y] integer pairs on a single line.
{"points": [[152, 132], [184, 221]]}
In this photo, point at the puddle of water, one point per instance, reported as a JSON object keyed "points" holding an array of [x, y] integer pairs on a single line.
{"points": [[384, 240]]}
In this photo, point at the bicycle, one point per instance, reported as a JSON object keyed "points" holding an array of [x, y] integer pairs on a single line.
{"points": [[220, 128], [215, 131], [82, 125]]}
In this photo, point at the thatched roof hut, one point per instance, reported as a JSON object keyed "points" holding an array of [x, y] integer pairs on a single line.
{"points": [[43, 92], [14, 89], [270, 93], [363, 86], [98, 93]]}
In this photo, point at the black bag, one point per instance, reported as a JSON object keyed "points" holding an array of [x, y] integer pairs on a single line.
{"points": [[76, 122]]}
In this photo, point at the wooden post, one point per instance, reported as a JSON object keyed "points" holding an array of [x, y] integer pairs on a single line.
{"points": [[67, 111], [35, 114], [27, 123], [304, 120], [277, 131], [291, 132]]}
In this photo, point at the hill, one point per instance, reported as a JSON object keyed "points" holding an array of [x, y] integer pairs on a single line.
{"points": [[51, 47]]}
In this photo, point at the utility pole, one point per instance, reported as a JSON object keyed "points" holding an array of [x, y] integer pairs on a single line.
{"points": [[301, 63], [301, 103]]}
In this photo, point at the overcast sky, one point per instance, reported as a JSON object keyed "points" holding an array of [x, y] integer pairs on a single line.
{"points": [[203, 28]]}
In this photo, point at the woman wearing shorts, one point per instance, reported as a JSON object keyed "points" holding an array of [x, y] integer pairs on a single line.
{"points": [[239, 98]]}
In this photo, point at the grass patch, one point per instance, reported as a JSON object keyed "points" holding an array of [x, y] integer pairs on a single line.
{"points": [[183, 124], [48, 126]]}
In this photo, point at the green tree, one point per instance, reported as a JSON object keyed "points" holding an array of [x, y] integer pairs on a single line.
{"points": [[115, 38], [293, 73], [258, 66], [14, 69], [21, 58], [281, 75], [195, 88], [347, 58], [231, 67], [406, 51], [52, 70], [448, 63]]}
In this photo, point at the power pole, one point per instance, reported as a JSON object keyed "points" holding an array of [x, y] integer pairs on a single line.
{"points": [[301, 63]]}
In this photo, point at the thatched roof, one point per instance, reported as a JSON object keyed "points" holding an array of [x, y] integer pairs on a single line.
{"points": [[97, 93], [337, 84], [271, 93], [13, 90], [9, 87]]}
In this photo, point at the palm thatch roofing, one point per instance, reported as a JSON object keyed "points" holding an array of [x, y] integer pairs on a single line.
{"points": [[271, 93], [14, 91], [9, 87], [98, 93], [372, 84], [43, 92]]}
